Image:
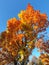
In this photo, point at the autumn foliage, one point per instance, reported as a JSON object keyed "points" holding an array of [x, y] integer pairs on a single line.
{"points": [[20, 37]]}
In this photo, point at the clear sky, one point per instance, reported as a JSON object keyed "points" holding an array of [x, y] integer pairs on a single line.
{"points": [[10, 8]]}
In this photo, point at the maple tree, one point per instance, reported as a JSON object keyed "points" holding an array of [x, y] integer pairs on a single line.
{"points": [[18, 40]]}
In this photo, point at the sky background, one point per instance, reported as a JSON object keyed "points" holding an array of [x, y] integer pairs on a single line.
{"points": [[11, 8]]}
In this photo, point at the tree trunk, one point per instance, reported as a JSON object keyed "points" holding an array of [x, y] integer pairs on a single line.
{"points": [[15, 62]]}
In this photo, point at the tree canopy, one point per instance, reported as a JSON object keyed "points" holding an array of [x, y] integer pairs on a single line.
{"points": [[21, 37]]}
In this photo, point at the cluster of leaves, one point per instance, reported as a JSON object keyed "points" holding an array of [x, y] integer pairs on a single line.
{"points": [[18, 40], [44, 58]]}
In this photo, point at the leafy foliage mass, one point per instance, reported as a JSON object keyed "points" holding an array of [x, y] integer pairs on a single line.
{"points": [[20, 38]]}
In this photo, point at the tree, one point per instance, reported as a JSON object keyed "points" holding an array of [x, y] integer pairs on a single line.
{"points": [[44, 49], [18, 40]]}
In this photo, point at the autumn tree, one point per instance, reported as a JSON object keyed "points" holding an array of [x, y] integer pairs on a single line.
{"points": [[18, 40], [44, 49]]}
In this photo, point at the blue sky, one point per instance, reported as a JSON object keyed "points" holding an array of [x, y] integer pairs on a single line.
{"points": [[10, 9]]}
